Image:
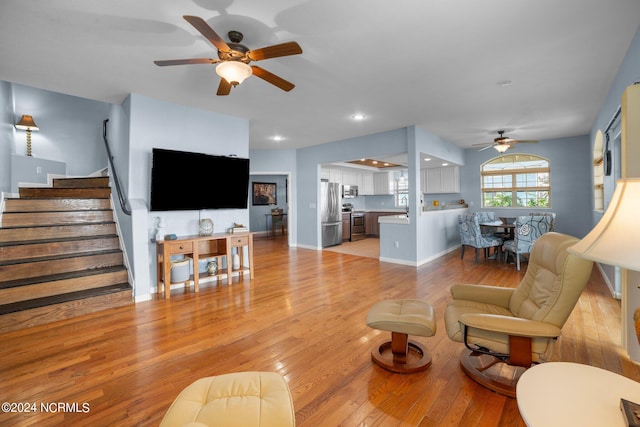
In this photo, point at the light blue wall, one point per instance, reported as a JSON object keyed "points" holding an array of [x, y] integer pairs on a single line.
{"points": [[7, 131], [570, 163], [33, 170], [308, 174], [628, 74], [158, 124], [70, 128], [281, 163], [423, 141]]}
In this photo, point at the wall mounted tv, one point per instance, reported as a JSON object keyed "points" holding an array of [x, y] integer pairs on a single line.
{"points": [[182, 180]]}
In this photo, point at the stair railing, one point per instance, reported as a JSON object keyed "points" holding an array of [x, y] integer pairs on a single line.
{"points": [[121, 198]]}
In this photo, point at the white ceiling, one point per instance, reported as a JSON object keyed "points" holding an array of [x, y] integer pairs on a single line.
{"points": [[433, 63]]}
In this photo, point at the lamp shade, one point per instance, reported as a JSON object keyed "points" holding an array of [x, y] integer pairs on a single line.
{"points": [[27, 123], [233, 72], [615, 240]]}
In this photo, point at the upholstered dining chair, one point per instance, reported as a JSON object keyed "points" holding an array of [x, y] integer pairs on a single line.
{"points": [[551, 214], [471, 235], [528, 229], [506, 330]]}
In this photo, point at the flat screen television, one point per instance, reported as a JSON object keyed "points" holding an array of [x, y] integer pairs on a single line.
{"points": [[183, 180]]}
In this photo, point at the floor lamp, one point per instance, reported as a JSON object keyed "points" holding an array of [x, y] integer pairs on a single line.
{"points": [[615, 240], [27, 123]]}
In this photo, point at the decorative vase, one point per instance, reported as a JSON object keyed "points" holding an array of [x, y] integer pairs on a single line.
{"points": [[160, 230], [212, 267], [236, 262], [206, 227]]}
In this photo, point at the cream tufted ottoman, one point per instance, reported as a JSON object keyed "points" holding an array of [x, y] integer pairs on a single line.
{"points": [[402, 317], [238, 399]]}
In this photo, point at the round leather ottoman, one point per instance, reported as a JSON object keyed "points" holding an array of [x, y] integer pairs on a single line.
{"points": [[402, 317], [238, 399]]}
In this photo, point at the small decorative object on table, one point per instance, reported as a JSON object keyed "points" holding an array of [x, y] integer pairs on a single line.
{"points": [[235, 265], [212, 267], [160, 229], [631, 412], [206, 227], [239, 228]]}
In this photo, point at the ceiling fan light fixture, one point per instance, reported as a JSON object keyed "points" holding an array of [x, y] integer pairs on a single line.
{"points": [[234, 72], [502, 147]]}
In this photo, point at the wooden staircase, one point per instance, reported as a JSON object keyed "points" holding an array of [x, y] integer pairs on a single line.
{"points": [[60, 255]]}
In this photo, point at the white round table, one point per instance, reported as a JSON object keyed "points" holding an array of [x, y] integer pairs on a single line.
{"points": [[571, 394]]}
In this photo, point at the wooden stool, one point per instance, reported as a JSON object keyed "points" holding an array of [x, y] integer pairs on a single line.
{"points": [[402, 317]]}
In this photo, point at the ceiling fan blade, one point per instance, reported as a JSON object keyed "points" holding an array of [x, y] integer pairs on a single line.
{"points": [[484, 148], [223, 88], [272, 78], [526, 141], [186, 61], [283, 49], [204, 28]]}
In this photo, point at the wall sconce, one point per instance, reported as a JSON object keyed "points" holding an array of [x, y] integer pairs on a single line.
{"points": [[27, 123]]}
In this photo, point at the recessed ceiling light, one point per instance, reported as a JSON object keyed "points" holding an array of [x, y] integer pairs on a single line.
{"points": [[445, 164], [375, 162], [426, 159], [358, 116], [504, 83], [277, 138]]}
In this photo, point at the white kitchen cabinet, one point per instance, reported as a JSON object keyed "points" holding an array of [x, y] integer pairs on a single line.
{"points": [[440, 180], [383, 183], [366, 188], [325, 173], [335, 175], [349, 177]]}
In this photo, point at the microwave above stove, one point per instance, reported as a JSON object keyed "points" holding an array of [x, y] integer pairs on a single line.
{"points": [[349, 191]]}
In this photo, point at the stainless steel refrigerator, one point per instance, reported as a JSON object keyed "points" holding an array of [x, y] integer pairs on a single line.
{"points": [[331, 214]]}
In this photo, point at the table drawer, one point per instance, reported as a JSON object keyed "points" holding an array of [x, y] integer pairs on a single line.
{"points": [[179, 247], [239, 241]]}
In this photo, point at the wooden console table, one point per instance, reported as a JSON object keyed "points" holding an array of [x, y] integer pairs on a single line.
{"points": [[217, 246]]}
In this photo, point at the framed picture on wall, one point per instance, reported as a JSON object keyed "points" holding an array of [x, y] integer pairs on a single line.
{"points": [[264, 193]]}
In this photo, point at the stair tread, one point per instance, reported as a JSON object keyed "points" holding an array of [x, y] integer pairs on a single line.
{"points": [[62, 298], [58, 211], [58, 240], [56, 257], [66, 224], [60, 276]]}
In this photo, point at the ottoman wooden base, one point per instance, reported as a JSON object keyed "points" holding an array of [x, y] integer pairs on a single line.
{"points": [[405, 357], [402, 317]]}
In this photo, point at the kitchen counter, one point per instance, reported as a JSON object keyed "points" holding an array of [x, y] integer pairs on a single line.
{"points": [[394, 219], [444, 207]]}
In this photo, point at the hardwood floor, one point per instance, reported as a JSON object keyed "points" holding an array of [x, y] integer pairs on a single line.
{"points": [[303, 316]]}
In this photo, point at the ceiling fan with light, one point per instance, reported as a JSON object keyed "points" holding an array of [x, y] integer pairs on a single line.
{"points": [[503, 143], [234, 58]]}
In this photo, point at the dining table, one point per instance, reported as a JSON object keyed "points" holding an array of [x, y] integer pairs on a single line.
{"points": [[505, 228]]}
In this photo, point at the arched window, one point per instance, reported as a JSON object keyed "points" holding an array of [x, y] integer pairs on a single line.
{"points": [[516, 181]]}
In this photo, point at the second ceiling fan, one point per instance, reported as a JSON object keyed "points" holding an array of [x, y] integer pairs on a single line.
{"points": [[234, 58], [503, 143]]}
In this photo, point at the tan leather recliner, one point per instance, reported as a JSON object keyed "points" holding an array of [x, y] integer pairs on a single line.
{"points": [[505, 330]]}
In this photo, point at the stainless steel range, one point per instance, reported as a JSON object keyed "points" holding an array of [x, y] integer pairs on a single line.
{"points": [[358, 229]]}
